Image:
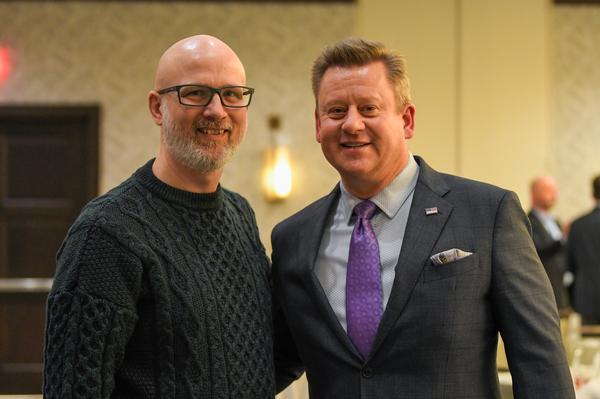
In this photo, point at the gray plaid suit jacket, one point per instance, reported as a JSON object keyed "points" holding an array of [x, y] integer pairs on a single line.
{"points": [[439, 332]]}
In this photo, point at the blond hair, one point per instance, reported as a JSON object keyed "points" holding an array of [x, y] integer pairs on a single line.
{"points": [[355, 51]]}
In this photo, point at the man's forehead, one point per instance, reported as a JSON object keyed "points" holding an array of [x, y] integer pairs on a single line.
{"points": [[199, 57], [360, 78], [205, 70], [352, 70]]}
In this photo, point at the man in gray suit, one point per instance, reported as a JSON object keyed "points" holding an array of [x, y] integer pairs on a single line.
{"points": [[397, 283], [583, 248]]}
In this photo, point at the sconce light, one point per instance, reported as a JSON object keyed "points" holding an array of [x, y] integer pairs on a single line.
{"points": [[277, 171]]}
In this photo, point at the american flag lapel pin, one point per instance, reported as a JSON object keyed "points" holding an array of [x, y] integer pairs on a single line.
{"points": [[431, 211]]}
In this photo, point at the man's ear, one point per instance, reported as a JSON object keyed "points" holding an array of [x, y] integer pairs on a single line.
{"points": [[317, 126], [154, 107], [408, 116]]}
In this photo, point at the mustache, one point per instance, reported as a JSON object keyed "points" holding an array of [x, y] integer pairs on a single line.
{"points": [[204, 124]]}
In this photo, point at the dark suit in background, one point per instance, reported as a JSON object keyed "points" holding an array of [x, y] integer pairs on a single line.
{"points": [[552, 253], [584, 261]]}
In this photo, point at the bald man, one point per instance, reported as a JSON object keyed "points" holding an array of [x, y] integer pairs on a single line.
{"points": [[162, 285], [548, 237]]}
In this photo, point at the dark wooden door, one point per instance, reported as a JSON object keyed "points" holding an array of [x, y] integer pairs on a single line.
{"points": [[48, 171]]}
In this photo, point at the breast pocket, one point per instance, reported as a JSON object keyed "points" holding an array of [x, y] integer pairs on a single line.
{"points": [[434, 272]]}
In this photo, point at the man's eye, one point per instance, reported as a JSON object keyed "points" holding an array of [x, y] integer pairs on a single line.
{"points": [[337, 111], [232, 94], [196, 93], [369, 109]]}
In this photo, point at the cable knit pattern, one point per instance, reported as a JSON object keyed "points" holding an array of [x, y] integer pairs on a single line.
{"points": [[160, 293]]}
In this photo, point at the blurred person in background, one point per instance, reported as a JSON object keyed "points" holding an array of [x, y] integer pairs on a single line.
{"points": [[583, 248], [549, 238]]}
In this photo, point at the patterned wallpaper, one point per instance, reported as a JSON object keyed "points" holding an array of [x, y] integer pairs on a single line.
{"points": [[574, 156], [79, 52], [89, 52]]}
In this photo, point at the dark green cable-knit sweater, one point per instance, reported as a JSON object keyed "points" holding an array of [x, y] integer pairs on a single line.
{"points": [[160, 293]]}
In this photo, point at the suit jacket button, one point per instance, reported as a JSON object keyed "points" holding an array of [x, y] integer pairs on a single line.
{"points": [[367, 372]]}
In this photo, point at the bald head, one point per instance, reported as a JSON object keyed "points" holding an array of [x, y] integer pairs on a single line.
{"points": [[543, 192], [197, 140], [181, 63]]}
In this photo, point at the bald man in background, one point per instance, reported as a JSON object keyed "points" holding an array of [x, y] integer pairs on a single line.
{"points": [[162, 285], [548, 237]]}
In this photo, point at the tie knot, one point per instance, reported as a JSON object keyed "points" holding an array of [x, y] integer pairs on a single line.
{"points": [[365, 209]]}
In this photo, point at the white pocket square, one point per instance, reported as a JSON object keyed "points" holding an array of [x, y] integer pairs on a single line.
{"points": [[448, 256]]}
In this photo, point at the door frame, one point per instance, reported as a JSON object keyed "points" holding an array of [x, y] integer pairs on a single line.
{"points": [[32, 290], [89, 113]]}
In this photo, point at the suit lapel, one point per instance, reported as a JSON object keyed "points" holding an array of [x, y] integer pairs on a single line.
{"points": [[312, 229], [539, 231], [422, 232], [309, 241]]}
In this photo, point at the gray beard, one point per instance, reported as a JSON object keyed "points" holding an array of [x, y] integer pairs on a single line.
{"points": [[182, 145]]}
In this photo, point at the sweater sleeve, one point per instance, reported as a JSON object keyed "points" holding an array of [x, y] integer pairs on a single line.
{"points": [[90, 315]]}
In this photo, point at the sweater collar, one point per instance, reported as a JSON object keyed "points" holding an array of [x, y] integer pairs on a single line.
{"points": [[146, 178]]}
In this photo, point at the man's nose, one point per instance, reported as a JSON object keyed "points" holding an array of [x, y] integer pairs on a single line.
{"points": [[354, 122], [215, 109]]}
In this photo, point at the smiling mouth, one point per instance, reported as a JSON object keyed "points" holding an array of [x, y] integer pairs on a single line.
{"points": [[212, 131], [354, 145]]}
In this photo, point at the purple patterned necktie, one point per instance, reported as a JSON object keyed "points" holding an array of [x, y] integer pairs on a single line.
{"points": [[364, 294]]}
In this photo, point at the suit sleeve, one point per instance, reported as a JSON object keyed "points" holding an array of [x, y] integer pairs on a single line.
{"points": [[525, 309], [90, 316], [288, 364]]}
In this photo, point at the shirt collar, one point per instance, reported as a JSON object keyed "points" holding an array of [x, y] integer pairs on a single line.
{"points": [[541, 214], [390, 199]]}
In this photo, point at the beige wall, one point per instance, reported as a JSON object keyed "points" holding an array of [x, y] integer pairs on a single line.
{"points": [[479, 70], [504, 91], [425, 33]]}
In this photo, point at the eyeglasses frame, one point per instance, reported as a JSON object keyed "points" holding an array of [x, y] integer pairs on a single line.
{"points": [[214, 91]]}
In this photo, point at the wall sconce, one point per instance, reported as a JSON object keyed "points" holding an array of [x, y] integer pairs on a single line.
{"points": [[277, 170]]}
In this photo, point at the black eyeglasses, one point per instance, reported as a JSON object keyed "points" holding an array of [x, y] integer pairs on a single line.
{"points": [[201, 96]]}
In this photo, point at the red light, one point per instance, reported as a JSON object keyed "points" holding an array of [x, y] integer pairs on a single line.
{"points": [[5, 63]]}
